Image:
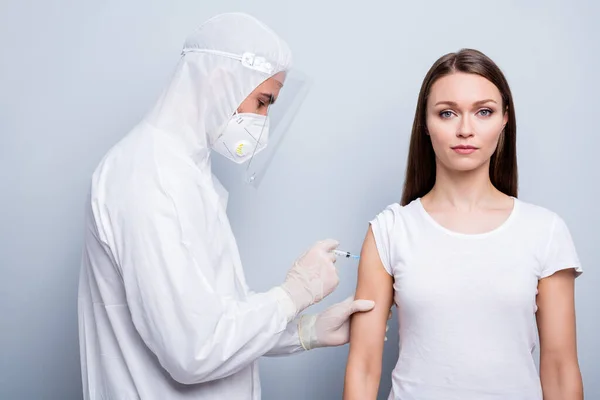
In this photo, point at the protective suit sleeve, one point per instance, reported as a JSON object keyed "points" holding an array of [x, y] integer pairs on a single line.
{"points": [[164, 247], [289, 341]]}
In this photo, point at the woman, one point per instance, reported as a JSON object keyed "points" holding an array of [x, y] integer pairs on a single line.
{"points": [[467, 264]]}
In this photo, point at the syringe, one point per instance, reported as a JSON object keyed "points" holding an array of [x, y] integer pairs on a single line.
{"points": [[346, 254]]}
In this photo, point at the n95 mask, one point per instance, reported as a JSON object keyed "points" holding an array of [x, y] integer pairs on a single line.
{"points": [[245, 135]]}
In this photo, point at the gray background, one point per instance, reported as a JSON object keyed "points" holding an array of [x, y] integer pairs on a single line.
{"points": [[77, 75]]}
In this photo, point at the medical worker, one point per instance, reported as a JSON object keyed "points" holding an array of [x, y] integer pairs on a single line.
{"points": [[164, 309]]}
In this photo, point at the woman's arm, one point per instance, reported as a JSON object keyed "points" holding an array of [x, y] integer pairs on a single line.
{"points": [[559, 367], [367, 330]]}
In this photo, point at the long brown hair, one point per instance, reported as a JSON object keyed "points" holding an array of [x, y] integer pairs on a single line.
{"points": [[420, 169]]}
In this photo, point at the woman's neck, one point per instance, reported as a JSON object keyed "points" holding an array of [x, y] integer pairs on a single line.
{"points": [[464, 191]]}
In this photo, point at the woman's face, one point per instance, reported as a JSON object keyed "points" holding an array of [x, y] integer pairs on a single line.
{"points": [[465, 119]]}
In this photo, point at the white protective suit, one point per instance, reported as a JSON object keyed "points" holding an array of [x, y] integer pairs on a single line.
{"points": [[164, 309]]}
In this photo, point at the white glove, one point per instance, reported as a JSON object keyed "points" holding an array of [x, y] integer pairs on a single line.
{"points": [[313, 276], [332, 326]]}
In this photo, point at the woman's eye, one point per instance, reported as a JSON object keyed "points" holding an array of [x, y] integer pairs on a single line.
{"points": [[446, 114], [485, 113]]}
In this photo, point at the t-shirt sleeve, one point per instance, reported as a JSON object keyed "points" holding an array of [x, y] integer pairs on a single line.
{"points": [[382, 226], [560, 253]]}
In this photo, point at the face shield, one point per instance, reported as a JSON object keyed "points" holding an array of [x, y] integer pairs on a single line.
{"points": [[279, 116], [258, 127]]}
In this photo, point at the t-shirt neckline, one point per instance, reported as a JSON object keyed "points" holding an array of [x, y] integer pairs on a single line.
{"points": [[450, 232]]}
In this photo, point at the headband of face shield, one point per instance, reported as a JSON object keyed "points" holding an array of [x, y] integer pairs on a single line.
{"points": [[251, 139]]}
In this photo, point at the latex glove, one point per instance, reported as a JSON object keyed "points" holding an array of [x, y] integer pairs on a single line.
{"points": [[332, 326], [313, 276]]}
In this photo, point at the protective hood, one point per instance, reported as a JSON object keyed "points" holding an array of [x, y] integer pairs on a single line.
{"points": [[222, 62]]}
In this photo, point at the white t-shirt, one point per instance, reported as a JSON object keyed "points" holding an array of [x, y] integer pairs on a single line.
{"points": [[467, 302]]}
